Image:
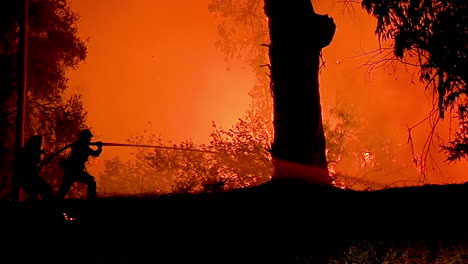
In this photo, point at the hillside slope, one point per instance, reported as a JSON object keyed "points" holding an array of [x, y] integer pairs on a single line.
{"points": [[272, 221]]}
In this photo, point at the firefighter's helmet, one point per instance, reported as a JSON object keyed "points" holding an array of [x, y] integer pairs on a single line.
{"points": [[85, 133]]}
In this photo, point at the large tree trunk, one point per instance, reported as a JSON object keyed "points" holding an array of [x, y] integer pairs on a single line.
{"points": [[297, 35]]}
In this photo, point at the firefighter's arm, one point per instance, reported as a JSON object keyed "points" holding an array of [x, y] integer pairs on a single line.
{"points": [[98, 151]]}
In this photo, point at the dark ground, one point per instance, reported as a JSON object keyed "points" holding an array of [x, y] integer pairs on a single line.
{"points": [[278, 222]]}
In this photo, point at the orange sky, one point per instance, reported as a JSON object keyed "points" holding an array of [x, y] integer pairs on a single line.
{"points": [[156, 62]]}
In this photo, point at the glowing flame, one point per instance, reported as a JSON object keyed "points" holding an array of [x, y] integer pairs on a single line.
{"points": [[333, 171], [418, 164], [367, 158], [338, 184], [68, 218]]}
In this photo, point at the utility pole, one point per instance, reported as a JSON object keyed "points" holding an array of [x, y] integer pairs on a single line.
{"points": [[21, 89]]}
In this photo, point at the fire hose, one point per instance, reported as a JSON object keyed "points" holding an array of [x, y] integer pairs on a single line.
{"points": [[107, 144], [152, 146]]}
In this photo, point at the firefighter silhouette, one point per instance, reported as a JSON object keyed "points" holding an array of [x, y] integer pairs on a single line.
{"points": [[27, 170], [74, 166]]}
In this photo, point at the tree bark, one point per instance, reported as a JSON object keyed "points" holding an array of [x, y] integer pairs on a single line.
{"points": [[297, 35]]}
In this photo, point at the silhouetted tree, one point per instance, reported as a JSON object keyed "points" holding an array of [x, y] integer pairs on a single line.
{"points": [[53, 48], [243, 32], [297, 35], [432, 35], [244, 28]]}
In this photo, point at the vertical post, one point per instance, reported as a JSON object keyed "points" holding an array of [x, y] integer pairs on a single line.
{"points": [[21, 88]]}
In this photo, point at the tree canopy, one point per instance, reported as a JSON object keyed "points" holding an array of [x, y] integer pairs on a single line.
{"points": [[53, 48], [432, 35]]}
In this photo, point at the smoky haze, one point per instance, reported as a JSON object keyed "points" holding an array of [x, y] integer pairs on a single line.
{"points": [[153, 65]]}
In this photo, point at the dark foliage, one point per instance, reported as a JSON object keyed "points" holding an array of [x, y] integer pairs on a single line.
{"points": [[53, 49], [432, 35]]}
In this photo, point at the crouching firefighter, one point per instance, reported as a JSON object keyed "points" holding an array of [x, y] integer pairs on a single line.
{"points": [[27, 168], [74, 167]]}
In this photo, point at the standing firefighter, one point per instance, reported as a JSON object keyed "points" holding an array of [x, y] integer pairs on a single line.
{"points": [[27, 170], [74, 166]]}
